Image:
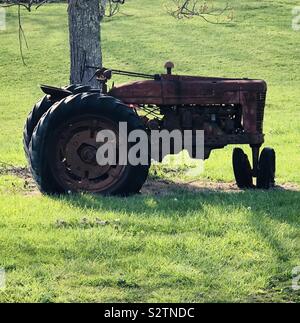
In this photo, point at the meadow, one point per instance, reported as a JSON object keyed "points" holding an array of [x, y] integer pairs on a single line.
{"points": [[178, 243]]}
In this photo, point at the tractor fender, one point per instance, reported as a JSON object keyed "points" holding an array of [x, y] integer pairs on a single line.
{"points": [[55, 93]]}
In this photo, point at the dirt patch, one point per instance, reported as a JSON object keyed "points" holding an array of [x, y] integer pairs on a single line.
{"points": [[151, 187], [29, 187], [22, 172], [162, 187]]}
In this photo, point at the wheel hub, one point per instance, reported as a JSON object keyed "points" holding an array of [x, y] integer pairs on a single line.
{"points": [[87, 153], [75, 164]]}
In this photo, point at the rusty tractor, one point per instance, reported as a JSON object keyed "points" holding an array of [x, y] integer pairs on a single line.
{"points": [[60, 132]]}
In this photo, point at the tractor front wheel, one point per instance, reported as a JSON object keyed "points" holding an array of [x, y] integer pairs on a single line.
{"points": [[242, 169], [266, 169]]}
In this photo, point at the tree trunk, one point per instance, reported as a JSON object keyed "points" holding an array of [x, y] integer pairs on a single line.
{"points": [[85, 41]]}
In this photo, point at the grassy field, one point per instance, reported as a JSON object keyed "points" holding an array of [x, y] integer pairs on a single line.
{"points": [[186, 244]]}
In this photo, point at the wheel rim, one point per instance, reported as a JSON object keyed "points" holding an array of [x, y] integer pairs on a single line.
{"points": [[73, 156]]}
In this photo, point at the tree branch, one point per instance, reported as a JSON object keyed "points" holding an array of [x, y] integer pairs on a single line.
{"points": [[111, 7], [193, 8], [27, 5]]}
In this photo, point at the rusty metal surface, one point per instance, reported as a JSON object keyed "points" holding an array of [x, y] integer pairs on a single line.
{"points": [[174, 90], [74, 163], [229, 110], [195, 102]]}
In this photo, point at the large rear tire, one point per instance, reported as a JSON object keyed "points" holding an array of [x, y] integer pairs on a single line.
{"points": [[39, 109], [33, 118], [63, 146]]}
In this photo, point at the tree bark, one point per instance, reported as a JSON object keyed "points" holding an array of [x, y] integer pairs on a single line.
{"points": [[85, 40]]}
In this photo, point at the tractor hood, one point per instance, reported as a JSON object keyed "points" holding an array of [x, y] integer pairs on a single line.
{"points": [[183, 90]]}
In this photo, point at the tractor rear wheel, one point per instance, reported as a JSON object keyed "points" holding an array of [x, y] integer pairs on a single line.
{"points": [[242, 169], [39, 109], [33, 118], [266, 169], [63, 148]]}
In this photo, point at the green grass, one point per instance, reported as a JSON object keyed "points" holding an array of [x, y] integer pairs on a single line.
{"points": [[215, 247], [185, 246]]}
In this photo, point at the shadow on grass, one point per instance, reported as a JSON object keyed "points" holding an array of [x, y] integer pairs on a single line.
{"points": [[264, 213], [168, 198]]}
